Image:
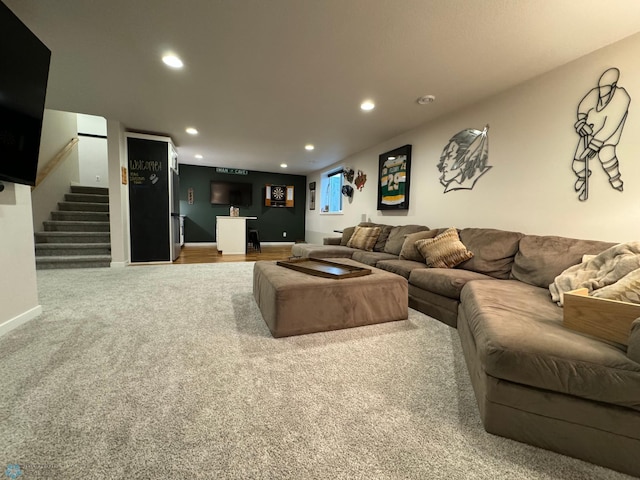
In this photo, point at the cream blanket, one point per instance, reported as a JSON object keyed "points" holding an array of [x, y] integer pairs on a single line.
{"points": [[604, 269]]}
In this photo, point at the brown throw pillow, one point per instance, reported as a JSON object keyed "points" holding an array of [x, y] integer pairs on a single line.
{"points": [[364, 238], [409, 250], [444, 251]]}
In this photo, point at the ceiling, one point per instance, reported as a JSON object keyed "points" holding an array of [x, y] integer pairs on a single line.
{"points": [[262, 78]]}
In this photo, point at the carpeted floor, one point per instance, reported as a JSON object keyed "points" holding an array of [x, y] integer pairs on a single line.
{"points": [[163, 372]]}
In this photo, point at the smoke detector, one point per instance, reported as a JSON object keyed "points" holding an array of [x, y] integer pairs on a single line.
{"points": [[426, 99]]}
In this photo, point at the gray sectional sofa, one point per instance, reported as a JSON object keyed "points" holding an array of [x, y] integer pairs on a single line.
{"points": [[535, 381]]}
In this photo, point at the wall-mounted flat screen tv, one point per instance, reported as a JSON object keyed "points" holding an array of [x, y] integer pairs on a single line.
{"points": [[24, 71], [231, 193]]}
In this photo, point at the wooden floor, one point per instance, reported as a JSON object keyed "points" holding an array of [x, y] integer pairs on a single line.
{"points": [[209, 254]]}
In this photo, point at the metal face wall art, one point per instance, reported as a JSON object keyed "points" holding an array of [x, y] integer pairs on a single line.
{"points": [[464, 159], [601, 116]]}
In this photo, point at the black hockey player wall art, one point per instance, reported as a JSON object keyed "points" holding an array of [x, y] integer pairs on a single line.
{"points": [[601, 116], [464, 160]]}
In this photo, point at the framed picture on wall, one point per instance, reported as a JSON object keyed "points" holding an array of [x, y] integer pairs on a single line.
{"points": [[312, 196], [394, 169]]}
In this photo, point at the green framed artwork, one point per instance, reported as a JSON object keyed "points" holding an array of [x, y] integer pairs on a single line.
{"points": [[394, 168]]}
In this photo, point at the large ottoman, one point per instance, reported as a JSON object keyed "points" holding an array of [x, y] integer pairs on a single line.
{"points": [[294, 303]]}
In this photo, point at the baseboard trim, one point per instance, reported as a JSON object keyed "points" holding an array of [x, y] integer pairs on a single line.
{"points": [[118, 264], [21, 319], [214, 244]]}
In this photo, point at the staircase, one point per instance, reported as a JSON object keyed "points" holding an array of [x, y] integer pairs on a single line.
{"points": [[78, 234]]}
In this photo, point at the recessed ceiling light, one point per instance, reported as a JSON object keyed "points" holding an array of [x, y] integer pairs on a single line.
{"points": [[199, 157], [283, 165], [426, 99], [309, 147], [191, 131], [367, 105], [172, 61]]}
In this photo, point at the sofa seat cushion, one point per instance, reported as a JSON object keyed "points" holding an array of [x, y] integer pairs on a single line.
{"points": [[309, 250], [519, 337], [401, 267], [372, 258], [540, 259], [444, 281], [493, 250]]}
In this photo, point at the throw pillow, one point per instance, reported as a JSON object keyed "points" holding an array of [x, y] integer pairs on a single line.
{"points": [[444, 251], [627, 289], [409, 250], [364, 238]]}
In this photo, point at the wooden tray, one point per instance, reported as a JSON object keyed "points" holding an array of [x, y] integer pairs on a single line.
{"points": [[600, 317], [324, 268]]}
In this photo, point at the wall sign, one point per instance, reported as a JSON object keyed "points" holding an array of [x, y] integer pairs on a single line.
{"points": [[232, 171]]}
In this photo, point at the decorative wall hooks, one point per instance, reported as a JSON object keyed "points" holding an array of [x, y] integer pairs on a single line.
{"points": [[361, 179], [348, 174], [601, 116], [464, 159]]}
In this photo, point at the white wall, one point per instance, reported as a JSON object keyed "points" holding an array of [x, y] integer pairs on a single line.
{"points": [[58, 128], [18, 288], [92, 151], [531, 146]]}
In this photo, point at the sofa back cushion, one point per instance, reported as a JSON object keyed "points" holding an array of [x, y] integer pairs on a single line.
{"points": [[540, 259], [396, 237], [346, 235], [493, 251], [409, 250], [633, 350]]}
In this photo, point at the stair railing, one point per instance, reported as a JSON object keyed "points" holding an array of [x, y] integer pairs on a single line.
{"points": [[55, 161]]}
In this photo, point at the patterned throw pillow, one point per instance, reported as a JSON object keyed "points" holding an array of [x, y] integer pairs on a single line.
{"points": [[444, 251], [364, 238], [627, 289]]}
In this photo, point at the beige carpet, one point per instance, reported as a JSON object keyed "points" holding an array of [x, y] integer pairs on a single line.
{"points": [[158, 372]]}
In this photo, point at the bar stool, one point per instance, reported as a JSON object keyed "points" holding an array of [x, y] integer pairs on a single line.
{"points": [[253, 239]]}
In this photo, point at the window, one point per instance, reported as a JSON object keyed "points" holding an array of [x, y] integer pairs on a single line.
{"points": [[331, 191]]}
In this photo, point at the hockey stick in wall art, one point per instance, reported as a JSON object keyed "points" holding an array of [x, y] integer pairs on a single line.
{"points": [[601, 116], [464, 159]]}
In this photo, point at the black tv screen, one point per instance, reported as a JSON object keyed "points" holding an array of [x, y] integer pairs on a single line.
{"points": [[231, 193], [24, 71]]}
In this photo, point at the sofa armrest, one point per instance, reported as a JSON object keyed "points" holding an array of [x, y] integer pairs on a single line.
{"points": [[633, 350], [331, 240]]}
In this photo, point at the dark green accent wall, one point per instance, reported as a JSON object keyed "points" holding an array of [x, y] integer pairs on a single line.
{"points": [[200, 221]]}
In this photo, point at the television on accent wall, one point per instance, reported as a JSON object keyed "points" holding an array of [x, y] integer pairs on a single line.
{"points": [[24, 71], [231, 193]]}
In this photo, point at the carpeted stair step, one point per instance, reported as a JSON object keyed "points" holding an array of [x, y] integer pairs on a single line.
{"points": [[72, 237], [73, 226], [74, 261], [80, 216], [72, 249], [83, 207], [89, 190], [86, 197]]}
